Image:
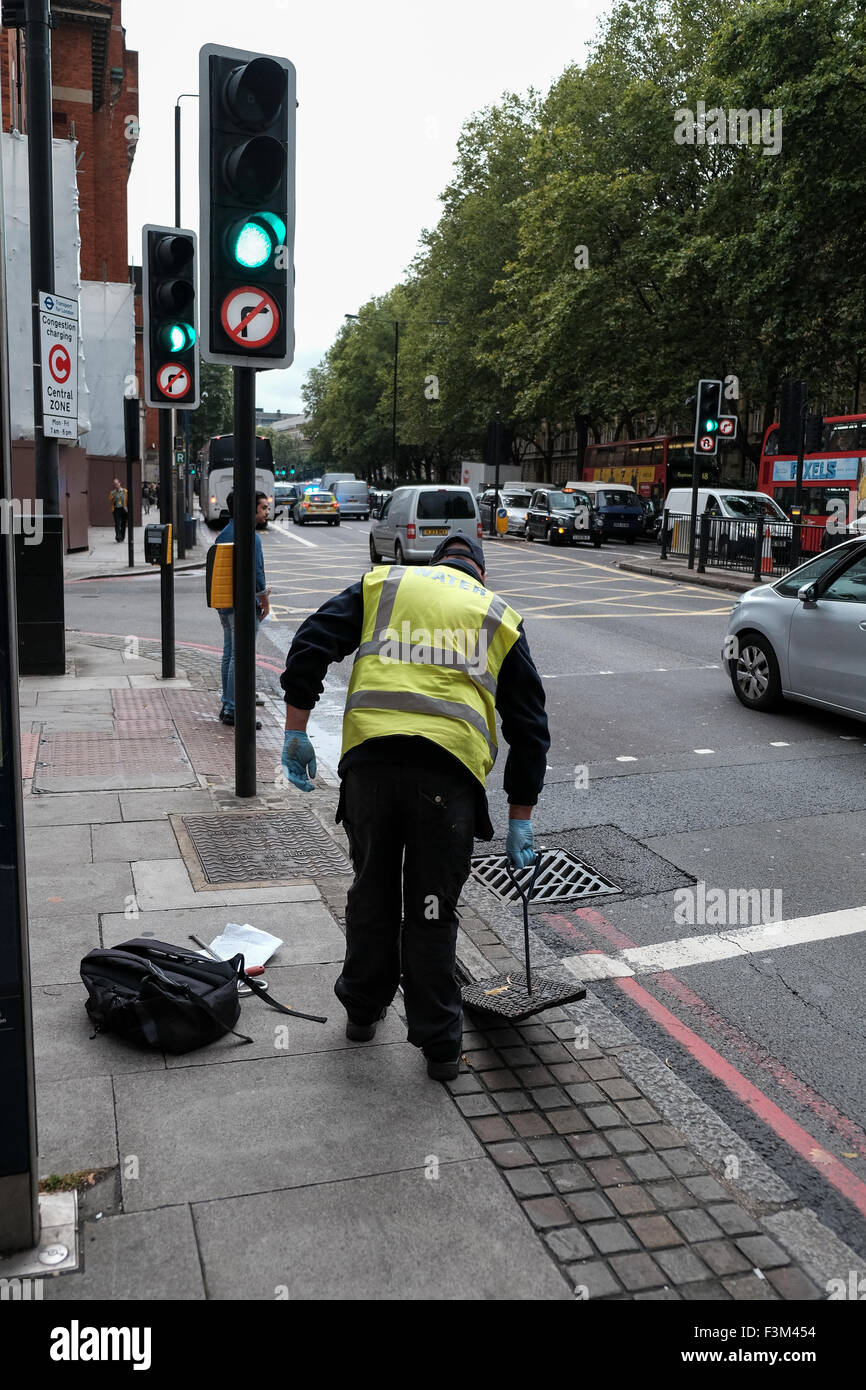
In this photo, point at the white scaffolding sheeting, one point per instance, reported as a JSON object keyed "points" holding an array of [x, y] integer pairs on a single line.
{"points": [[67, 281], [108, 330]]}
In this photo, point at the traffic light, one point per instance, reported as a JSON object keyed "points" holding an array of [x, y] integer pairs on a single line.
{"points": [[707, 415], [171, 354], [291, 472], [814, 433], [247, 185], [792, 407]]}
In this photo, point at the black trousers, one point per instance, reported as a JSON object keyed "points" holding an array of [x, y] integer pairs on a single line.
{"points": [[411, 834], [119, 523]]}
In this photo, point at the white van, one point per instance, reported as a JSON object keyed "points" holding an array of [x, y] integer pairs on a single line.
{"points": [[729, 504], [353, 496], [326, 482], [735, 503], [415, 519]]}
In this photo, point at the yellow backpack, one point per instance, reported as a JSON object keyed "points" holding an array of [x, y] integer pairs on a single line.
{"points": [[219, 575]]}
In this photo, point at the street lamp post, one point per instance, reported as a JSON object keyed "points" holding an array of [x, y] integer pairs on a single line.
{"points": [[394, 405]]}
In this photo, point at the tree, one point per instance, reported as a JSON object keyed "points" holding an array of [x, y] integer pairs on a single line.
{"points": [[215, 414]]}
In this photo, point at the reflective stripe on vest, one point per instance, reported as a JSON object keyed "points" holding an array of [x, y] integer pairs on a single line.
{"points": [[437, 681]]}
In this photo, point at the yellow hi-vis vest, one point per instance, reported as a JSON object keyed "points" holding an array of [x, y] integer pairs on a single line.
{"points": [[432, 646]]}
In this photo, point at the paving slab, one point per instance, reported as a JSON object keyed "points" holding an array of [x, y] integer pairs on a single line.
{"points": [[306, 987], [221, 1131], [149, 805], [72, 701], [75, 1118], [143, 1255], [83, 888], [128, 840], [46, 781], [64, 1043], [76, 808], [66, 723], [71, 682], [395, 1236], [54, 848], [146, 681], [58, 945], [308, 931], [164, 883]]}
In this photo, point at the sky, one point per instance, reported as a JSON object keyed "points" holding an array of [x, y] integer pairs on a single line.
{"points": [[384, 87]]}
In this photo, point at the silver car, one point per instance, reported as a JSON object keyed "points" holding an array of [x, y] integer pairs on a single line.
{"points": [[804, 637]]}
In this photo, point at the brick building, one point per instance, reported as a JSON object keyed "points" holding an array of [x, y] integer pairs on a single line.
{"points": [[95, 102]]}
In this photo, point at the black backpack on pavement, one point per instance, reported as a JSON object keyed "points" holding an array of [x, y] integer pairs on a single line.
{"points": [[167, 998]]}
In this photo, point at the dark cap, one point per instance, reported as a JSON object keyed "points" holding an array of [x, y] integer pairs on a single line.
{"points": [[456, 545]]}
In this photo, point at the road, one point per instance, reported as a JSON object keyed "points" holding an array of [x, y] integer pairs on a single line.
{"points": [[664, 782]]}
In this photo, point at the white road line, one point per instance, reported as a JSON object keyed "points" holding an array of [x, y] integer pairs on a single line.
{"points": [[700, 950], [302, 540]]}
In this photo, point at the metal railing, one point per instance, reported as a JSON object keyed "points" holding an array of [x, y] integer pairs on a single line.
{"points": [[763, 547]]}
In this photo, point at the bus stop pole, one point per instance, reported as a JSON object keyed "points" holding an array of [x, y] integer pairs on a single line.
{"points": [[166, 569], [244, 516]]}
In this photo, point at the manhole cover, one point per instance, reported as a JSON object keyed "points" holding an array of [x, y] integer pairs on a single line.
{"points": [[562, 878], [263, 847]]}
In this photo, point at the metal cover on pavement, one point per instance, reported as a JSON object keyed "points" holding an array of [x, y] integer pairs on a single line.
{"points": [[562, 879], [261, 847], [507, 996]]}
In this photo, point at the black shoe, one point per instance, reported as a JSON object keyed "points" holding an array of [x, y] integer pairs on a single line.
{"points": [[443, 1071], [363, 1032], [228, 717]]}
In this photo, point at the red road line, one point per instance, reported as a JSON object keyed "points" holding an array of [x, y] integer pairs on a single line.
{"points": [[766, 1110], [784, 1078]]}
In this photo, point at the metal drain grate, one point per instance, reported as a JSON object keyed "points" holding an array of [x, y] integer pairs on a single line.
{"points": [[562, 878], [263, 847]]}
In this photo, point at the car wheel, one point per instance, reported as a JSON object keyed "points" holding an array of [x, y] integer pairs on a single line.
{"points": [[596, 540], [374, 554], [336, 523], [754, 673], [551, 536], [399, 557], [629, 540], [527, 534]]}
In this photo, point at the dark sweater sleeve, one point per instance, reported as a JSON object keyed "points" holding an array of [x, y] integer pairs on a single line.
{"points": [[520, 702], [330, 634]]}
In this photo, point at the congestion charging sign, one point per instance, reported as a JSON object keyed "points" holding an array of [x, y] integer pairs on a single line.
{"points": [[58, 342]]}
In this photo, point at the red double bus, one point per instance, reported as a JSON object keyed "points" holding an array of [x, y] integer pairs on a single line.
{"points": [[834, 478], [651, 466]]}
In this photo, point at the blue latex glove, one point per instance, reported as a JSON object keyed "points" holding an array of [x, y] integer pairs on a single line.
{"points": [[299, 760], [520, 846]]}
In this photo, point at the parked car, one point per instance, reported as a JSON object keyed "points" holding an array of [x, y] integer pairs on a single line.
{"points": [[316, 505], [414, 520], [804, 637], [353, 496], [615, 514], [560, 516], [516, 502]]}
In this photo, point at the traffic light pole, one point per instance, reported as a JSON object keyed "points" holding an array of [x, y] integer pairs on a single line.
{"points": [[244, 516], [166, 571], [131, 441]]}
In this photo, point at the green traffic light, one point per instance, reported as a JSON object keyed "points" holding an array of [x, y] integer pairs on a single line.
{"points": [[252, 247], [711, 424], [177, 337], [254, 240]]}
